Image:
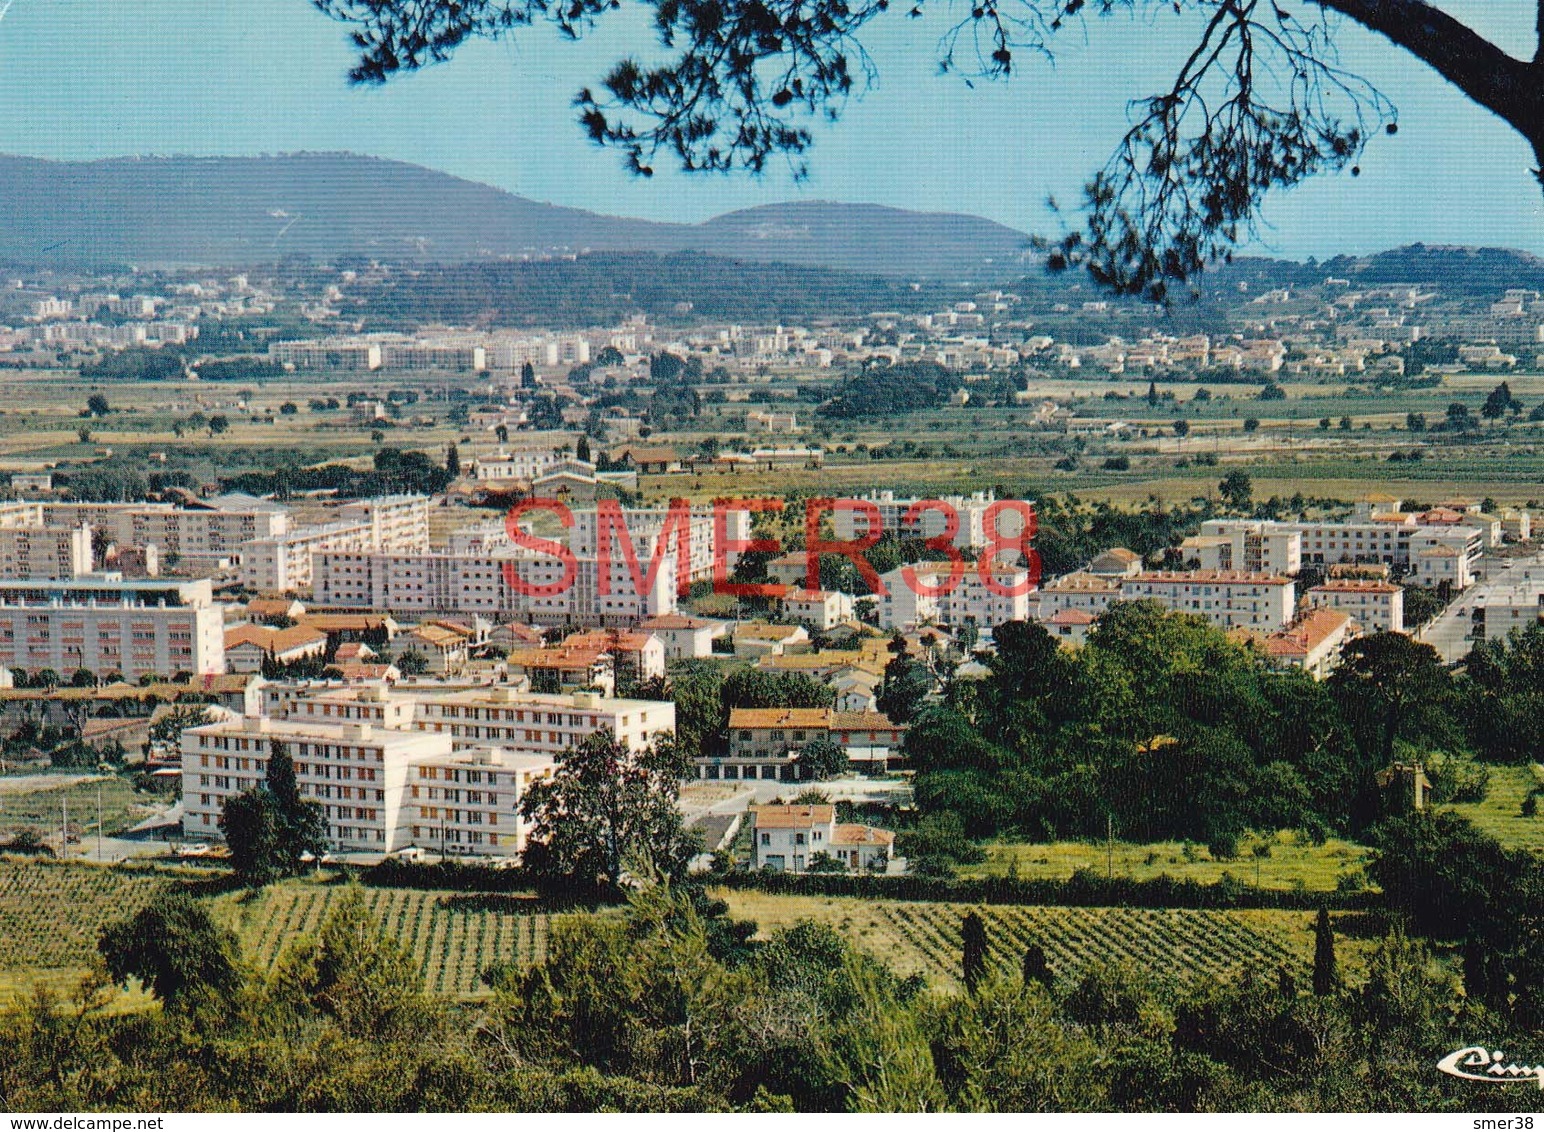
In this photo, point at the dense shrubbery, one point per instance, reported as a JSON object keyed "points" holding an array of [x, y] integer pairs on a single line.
{"points": [[671, 1007], [1164, 727], [879, 391]]}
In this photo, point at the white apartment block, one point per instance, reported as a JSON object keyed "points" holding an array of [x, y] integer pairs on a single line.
{"points": [[103, 625], [1379, 607], [850, 524], [357, 771], [970, 599], [284, 564], [192, 532], [1249, 546], [495, 715], [329, 354], [1229, 599], [644, 527], [45, 552], [433, 357], [519, 464], [1087, 593], [497, 585], [468, 802], [1395, 539], [397, 523]]}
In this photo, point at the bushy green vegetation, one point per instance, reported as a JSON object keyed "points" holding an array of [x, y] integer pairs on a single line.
{"points": [[672, 1006], [1162, 727], [884, 390]]}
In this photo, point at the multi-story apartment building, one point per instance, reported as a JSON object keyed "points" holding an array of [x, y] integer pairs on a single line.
{"points": [[529, 722], [358, 772], [1090, 593], [1248, 546], [433, 357], [1011, 598], [1230, 599], [329, 354], [388, 523], [646, 525], [1379, 607], [503, 585], [469, 800], [850, 523], [106, 625], [443, 770], [220, 529], [1392, 538], [45, 552]]}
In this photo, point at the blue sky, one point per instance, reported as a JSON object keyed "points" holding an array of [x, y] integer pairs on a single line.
{"points": [[97, 78]]}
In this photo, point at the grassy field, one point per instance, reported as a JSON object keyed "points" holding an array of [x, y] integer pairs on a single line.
{"points": [[1500, 814], [1170, 944], [1291, 864], [43, 807]]}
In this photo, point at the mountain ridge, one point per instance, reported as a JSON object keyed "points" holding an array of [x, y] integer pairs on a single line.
{"points": [[226, 211]]}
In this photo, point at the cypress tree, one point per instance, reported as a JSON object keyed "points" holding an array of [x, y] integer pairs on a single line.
{"points": [[973, 936], [1324, 975]]}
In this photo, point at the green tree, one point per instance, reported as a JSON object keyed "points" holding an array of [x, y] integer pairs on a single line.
{"points": [[1500, 402], [452, 460], [97, 405], [974, 950], [821, 759], [353, 973], [605, 811], [411, 662], [217, 424], [176, 950], [1325, 976], [1237, 491]]}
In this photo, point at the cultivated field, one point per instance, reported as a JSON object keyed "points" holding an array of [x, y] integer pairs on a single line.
{"points": [[1292, 863], [453, 937], [51, 914], [1172, 945]]}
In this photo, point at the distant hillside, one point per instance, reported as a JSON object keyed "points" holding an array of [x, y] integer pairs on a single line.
{"points": [[239, 210], [1457, 271], [605, 287]]}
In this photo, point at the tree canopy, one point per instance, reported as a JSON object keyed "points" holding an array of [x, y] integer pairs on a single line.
{"points": [[1260, 100]]}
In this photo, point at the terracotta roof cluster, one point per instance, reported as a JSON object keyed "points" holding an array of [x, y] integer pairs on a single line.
{"points": [[1307, 633], [855, 835], [276, 641], [564, 657], [1355, 586], [793, 817], [756, 718], [622, 640]]}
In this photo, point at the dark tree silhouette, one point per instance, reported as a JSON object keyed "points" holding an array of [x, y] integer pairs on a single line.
{"points": [[1260, 101], [974, 945], [1036, 968], [1325, 976]]}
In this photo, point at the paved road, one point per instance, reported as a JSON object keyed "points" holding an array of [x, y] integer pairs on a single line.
{"points": [[1450, 632]]}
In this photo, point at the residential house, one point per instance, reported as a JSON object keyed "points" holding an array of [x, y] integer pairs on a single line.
{"points": [[789, 838], [684, 637], [247, 646], [444, 649]]}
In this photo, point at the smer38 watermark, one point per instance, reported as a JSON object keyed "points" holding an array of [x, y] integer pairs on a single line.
{"points": [[1006, 566], [1476, 1063]]}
